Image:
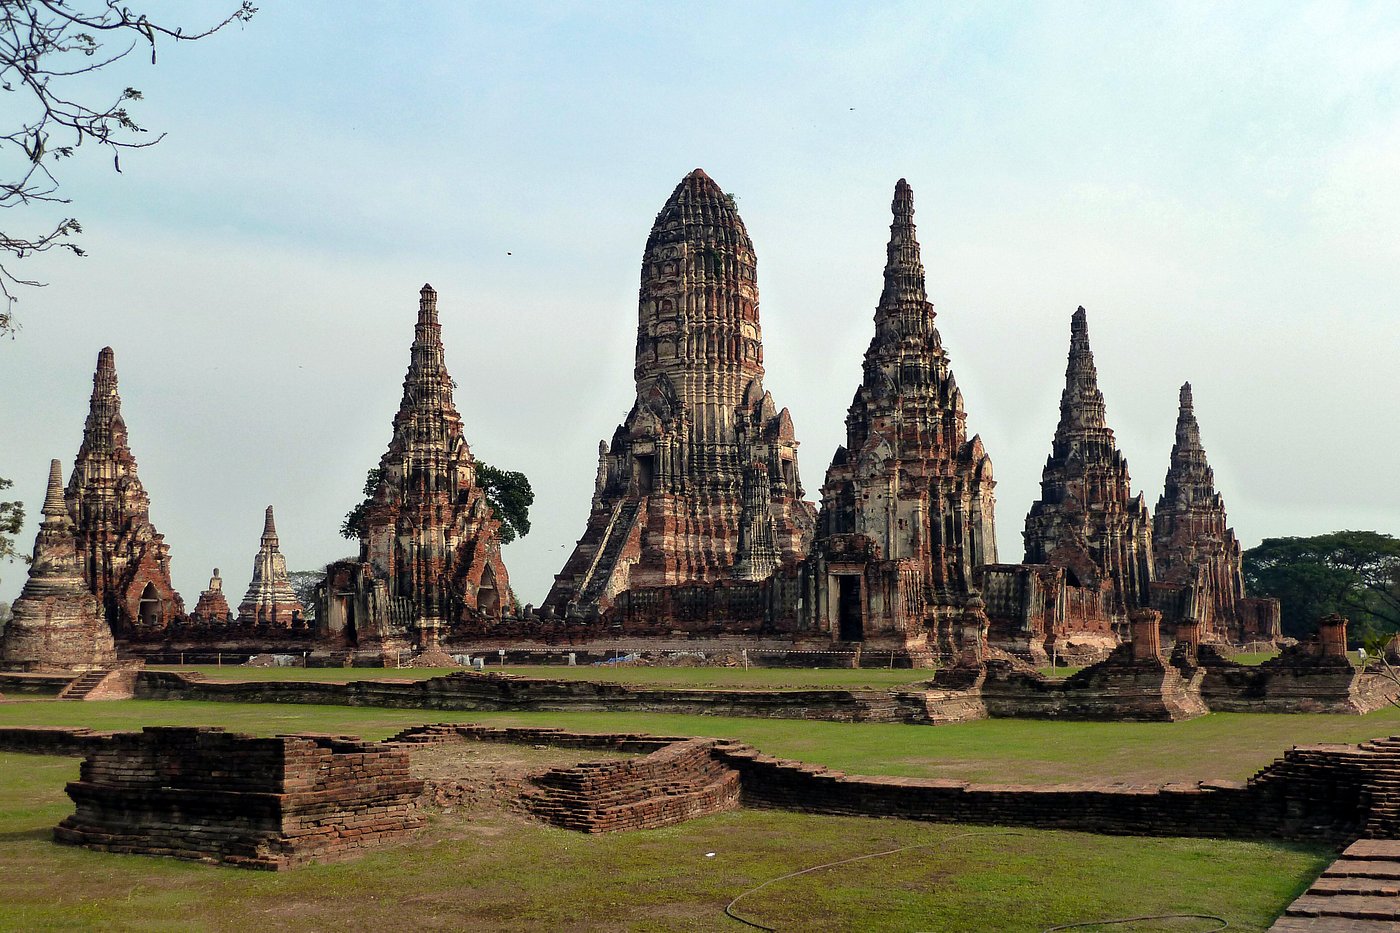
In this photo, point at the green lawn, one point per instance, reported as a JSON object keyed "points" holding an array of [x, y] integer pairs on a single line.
{"points": [[1221, 745], [734, 677], [497, 871]]}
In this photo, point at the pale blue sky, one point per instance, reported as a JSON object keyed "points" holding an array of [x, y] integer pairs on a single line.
{"points": [[1216, 183]]}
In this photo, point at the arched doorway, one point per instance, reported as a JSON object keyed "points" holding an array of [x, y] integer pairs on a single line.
{"points": [[150, 611]]}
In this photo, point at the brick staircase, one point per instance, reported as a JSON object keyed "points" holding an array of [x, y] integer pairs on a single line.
{"points": [[619, 528], [1359, 893], [1383, 820], [83, 684]]}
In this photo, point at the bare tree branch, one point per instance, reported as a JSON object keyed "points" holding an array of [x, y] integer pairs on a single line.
{"points": [[43, 42]]}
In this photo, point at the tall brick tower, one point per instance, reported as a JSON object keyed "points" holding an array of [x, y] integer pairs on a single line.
{"points": [[430, 548], [1191, 537], [125, 560], [671, 486], [908, 493], [1087, 518]]}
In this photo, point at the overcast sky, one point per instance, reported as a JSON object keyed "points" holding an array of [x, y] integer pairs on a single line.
{"points": [[1217, 184]]}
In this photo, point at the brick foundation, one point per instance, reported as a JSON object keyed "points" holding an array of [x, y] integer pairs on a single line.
{"points": [[202, 793]]}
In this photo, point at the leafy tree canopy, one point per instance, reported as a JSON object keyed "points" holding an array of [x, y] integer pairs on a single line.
{"points": [[11, 521], [510, 496], [354, 525], [1353, 573]]}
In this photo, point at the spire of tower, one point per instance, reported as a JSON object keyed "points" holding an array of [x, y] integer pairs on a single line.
{"points": [[1081, 404], [1188, 431], [269, 528], [904, 270], [54, 506], [427, 305]]}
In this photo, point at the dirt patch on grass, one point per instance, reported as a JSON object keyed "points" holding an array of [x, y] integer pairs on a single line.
{"points": [[480, 777]]}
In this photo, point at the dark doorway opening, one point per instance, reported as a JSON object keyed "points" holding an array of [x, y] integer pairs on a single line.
{"points": [[645, 464], [850, 618]]}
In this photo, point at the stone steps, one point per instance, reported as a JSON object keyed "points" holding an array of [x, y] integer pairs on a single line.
{"points": [[1358, 893], [83, 684]]}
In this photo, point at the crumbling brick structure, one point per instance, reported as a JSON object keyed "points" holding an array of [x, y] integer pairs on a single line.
{"points": [[270, 600], [430, 546], [700, 483], [125, 560], [57, 622], [202, 793], [907, 506]]}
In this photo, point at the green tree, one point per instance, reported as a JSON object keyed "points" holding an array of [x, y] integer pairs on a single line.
{"points": [[354, 525], [510, 496], [1354, 573], [11, 521], [48, 51]]}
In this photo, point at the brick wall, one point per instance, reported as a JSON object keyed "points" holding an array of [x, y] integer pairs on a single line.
{"points": [[466, 691], [202, 793], [1328, 793]]}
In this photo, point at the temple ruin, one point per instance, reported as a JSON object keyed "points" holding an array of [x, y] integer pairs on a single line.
{"points": [[430, 546], [1198, 558], [698, 530], [700, 483], [57, 622], [270, 600], [125, 560], [1088, 539], [907, 507]]}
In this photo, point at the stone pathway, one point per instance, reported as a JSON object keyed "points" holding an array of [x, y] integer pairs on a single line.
{"points": [[1358, 893]]}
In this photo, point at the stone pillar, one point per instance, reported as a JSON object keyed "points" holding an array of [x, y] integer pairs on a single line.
{"points": [[1332, 636], [1146, 633], [972, 634], [1188, 633]]}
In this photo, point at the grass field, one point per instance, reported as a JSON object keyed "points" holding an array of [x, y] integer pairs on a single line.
{"points": [[1221, 745], [497, 871], [767, 678]]}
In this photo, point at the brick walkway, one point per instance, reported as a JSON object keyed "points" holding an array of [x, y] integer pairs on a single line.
{"points": [[1358, 893]]}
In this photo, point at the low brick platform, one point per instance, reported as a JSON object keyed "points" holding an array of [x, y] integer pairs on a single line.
{"points": [[202, 793], [678, 783], [1358, 893]]}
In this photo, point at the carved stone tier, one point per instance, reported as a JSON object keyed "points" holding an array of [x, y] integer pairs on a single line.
{"points": [[125, 560], [57, 624], [270, 600], [700, 483]]}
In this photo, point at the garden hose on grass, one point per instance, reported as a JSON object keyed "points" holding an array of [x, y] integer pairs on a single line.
{"points": [[729, 908], [1103, 923]]}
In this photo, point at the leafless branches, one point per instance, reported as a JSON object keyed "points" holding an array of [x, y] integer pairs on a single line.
{"points": [[43, 44]]}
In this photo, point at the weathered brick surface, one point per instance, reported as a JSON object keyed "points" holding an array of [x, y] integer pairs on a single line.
{"points": [[202, 793], [52, 740]]}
